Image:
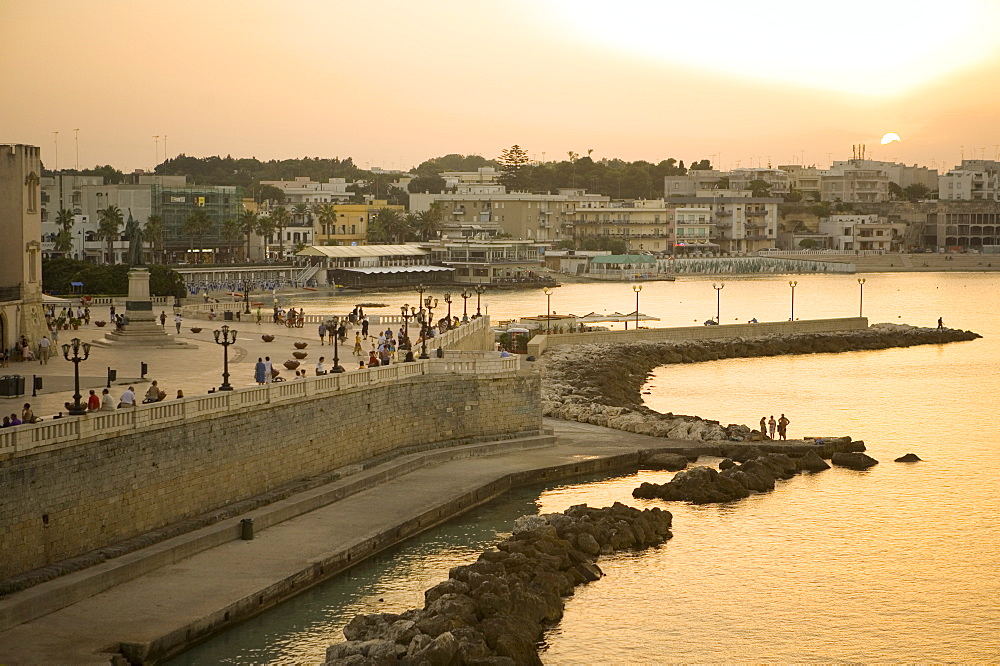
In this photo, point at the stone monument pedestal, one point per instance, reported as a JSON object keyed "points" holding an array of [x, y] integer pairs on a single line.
{"points": [[142, 329]]}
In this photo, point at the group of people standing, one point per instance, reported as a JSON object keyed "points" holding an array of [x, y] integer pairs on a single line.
{"points": [[769, 426]]}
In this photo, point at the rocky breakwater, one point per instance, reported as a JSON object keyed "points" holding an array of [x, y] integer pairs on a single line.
{"points": [[495, 610], [732, 481], [602, 383]]}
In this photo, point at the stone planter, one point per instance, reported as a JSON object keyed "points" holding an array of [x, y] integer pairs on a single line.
{"points": [[196, 329], [100, 324], [267, 338], [290, 364], [301, 345], [300, 354]]}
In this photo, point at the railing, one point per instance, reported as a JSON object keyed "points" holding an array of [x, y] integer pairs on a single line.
{"points": [[72, 429]]}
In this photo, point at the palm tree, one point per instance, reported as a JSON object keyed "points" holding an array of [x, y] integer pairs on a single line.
{"points": [[281, 217], [197, 225], [327, 215], [153, 232], [428, 223], [109, 228], [300, 211], [232, 229], [265, 228], [248, 225], [387, 226], [63, 242]]}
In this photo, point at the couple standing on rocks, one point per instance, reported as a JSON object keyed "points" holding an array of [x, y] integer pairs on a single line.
{"points": [[769, 425]]}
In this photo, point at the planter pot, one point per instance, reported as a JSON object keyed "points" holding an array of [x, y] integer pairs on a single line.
{"points": [[301, 345], [290, 364], [300, 354], [196, 329], [100, 324], [267, 338]]}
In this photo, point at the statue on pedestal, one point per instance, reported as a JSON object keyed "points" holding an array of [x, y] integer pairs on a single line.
{"points": [[134, 234]]}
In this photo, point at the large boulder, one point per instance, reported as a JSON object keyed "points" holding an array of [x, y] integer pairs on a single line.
{"points": [[811, 462], [672, 462], [853, 460], [909, 457]]}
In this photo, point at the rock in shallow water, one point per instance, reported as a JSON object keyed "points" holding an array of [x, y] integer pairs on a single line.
{"points": [[853, 460], [909, 457]]}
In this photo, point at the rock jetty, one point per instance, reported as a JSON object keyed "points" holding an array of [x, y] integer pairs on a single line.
{"points": [[602, 383], [495, 610]]}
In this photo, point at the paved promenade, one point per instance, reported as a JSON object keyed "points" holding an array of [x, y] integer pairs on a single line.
{"points": [[194, 371], [157, 610]]}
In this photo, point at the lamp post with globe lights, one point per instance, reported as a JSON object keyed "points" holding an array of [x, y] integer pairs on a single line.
{"points": [[718, 301], [447, 299], [480, 290], [77, 408], [861, 298], [548, 309], [637, 288], [466, 295], [793, 284], [225, 337]]}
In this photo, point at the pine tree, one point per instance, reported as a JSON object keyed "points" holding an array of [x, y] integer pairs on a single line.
{"points": [[514, 168]]}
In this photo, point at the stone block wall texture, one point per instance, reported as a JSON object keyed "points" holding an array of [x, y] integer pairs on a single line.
{"points": [[64, 501]]}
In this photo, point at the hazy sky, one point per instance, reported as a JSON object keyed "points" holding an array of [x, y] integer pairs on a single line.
{"points": [[393, 83]]}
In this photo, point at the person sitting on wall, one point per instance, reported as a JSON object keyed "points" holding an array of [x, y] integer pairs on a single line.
{"points": [[154, 394]]}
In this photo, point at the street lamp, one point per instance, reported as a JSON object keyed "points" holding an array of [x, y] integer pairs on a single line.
{"points": [[224, 338], [420, 290], [447, 299], [548, 309], [718, 300], [466, 295], [861, 300], [637, 288], [480, 290], [792, 284], [246, 296], [405, 312], [335, 324], [426, 325], [77, 408]]}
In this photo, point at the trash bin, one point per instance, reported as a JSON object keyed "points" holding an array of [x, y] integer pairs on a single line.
{"points": [[18, 384], [246, 529], [227, 315], [12, 385]]}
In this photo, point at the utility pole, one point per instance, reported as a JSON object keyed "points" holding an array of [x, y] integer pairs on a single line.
{"points": [[77, 131], [56, 158], [156, 149]]}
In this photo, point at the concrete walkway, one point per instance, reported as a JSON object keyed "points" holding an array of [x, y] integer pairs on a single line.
{"points": [[162, 611]]}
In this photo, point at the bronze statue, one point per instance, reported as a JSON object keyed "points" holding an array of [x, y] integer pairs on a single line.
{"points": [[134, 234]]}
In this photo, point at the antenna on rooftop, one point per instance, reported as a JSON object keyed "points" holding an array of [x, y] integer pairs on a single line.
{"points": [[156, 149], [56, 155]]}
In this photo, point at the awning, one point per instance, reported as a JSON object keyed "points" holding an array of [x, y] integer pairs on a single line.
{"points": [[76, 284], [378, 270]]}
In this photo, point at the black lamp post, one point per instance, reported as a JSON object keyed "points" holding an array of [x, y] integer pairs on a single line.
{"points": [[792, 284], [548, 309], [480, 290], [718, 300], [404, 310], [335, 324], [861, 300], [75, 345], [466, 295], [420, 303], [225, 337], [447, 299], [637, 288], [246, 296]]}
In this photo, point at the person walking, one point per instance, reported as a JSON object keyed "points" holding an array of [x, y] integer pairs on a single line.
{"points": [[364, 327], [258, 372], [268, 370], [163, 318], [177, 322], [322, 333], [44, 345], [783, 427], [940, 324], [771, 425]]}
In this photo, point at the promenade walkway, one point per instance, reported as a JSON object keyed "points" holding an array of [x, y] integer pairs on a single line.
{"points": [[155, 613], [195, 371]]}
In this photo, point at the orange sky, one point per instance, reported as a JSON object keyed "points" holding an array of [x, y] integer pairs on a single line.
{"points": [[393, 83]]}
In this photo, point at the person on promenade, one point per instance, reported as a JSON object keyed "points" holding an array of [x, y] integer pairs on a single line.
{"points": [[258, 316], [93, 402], [180, 394], [163, 318], [128, 398], [783, 427], [268, 370], [6, 422], [503, 352], [154, 394], [177, 322], [383, 354], [342, 332], [107, 402], [362, 366], [771, 425], [364, 327], [14, 421], [28, 416], [44, 345], [322, 333], [260, 372], [358, 351], [320, 369], [373, 361], [763, 427], [940, 324]]}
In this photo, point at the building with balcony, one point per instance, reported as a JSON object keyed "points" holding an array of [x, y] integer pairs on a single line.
{"points": [[21, 252], [902, 175], [851, 233], [960, 226], [737, 222], [689, 184], [644, 225], [854, 183], [779, 181], [351, 225], [478, 256], [302, 190], [973, 180], [373, 266]]}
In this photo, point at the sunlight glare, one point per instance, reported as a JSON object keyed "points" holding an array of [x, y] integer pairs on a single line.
{"points": [[889, 137], [854, 46]]}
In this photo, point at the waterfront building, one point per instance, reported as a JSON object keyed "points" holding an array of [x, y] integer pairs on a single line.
{"points": [[351, 225], [972, 180], [644, 225], [851, 233], [302, 190], [364, 266], [854, 182], [20, 253], [736, 221], [480, 255], [959, 226]]}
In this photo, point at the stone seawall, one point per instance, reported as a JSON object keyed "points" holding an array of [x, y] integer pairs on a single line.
{"points": [[60, 502], [601, 383]]}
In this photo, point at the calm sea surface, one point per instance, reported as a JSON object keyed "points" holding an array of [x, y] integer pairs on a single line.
{"points": [[900, 563]]}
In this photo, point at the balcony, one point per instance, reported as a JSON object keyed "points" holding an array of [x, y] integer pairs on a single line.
{"points": [[10, 293], [756, 212]]}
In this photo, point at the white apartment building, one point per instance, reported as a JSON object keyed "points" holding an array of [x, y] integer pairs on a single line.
{"points": [[644, 225], [850, 233], [855, 183], [779, 180], [303, 190], [902, 175], [689, 184], [481, 176], [739, 222], [973, 180]]}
